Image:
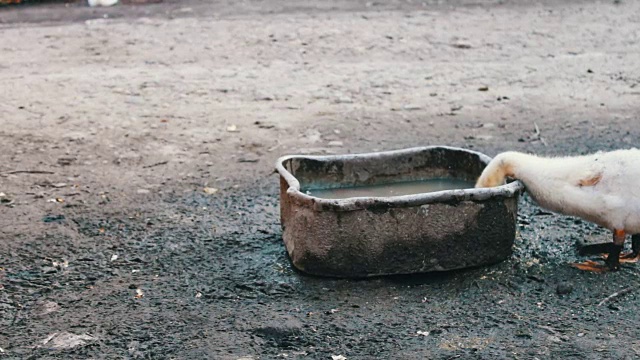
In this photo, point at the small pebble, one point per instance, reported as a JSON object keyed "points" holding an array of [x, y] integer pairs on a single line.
{"points": [[564, 288]]}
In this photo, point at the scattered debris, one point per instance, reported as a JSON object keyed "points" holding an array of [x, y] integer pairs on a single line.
{"points": [[114, 257], [564, 288], [210, 190], [407, 108], [548, 329], [65, 340], [264, 98], [262, 125], [523, 333], [156, 164], [423, 333], [232, 128], [46, 307], [53, 218], [60, 264], [338, 357], [461, 46], [198, 295], [344, 100], [536, 136], [66, 161], [4, 199], [280, 328], [535, 278], [139, 294], [456, 342], [616, 295], [29, 172]]}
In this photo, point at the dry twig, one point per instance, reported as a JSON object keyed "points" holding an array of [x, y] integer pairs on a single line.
{"points": [[616, 295], [28, 172]]}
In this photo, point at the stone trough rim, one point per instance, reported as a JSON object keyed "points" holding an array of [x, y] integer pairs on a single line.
{"points": [[360, 203]]}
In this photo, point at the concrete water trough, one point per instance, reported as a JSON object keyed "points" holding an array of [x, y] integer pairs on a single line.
{"points": [[393, 233]]}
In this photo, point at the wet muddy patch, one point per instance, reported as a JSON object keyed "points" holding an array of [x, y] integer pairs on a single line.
{"points": [[207, 275]]}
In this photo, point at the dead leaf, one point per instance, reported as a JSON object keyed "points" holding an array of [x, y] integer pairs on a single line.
{"points": [[232, 128], [210, 190], [44, 308], [65, 340], [62, 264]]}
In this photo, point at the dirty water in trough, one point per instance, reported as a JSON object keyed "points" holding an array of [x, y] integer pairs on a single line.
{"points": [[208, 277], [391, 189]]}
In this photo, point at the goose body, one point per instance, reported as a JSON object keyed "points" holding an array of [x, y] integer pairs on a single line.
{"points": [[603, 188]]}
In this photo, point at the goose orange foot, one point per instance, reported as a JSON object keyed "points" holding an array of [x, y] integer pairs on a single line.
{"points": [[592, 266], [632, 256], [612, 261]]}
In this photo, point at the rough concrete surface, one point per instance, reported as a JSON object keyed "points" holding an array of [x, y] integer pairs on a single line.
{"points": [[114, 121]]}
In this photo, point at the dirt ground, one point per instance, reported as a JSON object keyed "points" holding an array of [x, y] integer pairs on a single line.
{"points": [[113, 121]]}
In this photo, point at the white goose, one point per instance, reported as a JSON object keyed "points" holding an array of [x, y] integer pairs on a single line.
{"points": [[603, 188]]}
